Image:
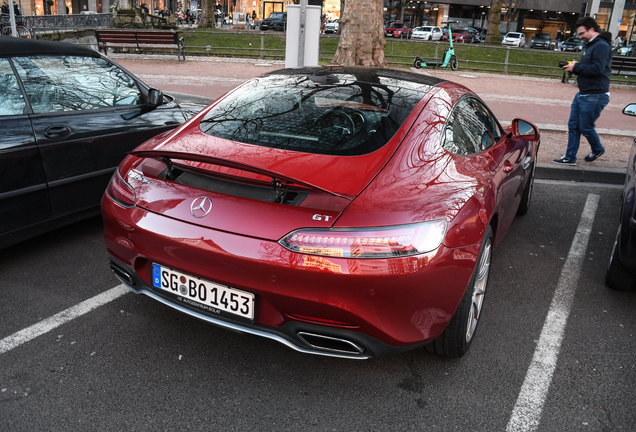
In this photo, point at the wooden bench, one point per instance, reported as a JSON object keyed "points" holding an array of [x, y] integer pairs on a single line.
{"points": [[623, 65], [140, 40]]}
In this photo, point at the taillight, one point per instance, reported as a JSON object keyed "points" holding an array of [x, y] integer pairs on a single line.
{"points": [[381, 242], [120, 191]]}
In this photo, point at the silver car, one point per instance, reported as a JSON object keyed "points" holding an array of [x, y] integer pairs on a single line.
{"points": [[427, 33], [515, 39]]}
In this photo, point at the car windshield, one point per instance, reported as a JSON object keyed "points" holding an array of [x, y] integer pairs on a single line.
{"points": [[276, 15], [573, 40], [425, 29], [513, 35], [397, 25], [542, 36], [341, 114]]}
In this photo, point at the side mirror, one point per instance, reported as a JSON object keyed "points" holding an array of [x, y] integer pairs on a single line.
{"points": [[155, 98], [524, 130], [630, 110]]}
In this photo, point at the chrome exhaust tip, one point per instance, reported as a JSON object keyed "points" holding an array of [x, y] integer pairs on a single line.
{"points": [[330, 343], [122, 275]]}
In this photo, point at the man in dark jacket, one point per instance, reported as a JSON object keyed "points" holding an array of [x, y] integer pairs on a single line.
{"points": [[593, 79]]}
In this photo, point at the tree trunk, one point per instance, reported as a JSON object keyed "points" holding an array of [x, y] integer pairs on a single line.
{"points": [[361, 34], [207, 14], [494, 20]]}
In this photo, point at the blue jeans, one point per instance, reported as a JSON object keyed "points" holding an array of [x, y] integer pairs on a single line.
{"points": [[585, 110]]}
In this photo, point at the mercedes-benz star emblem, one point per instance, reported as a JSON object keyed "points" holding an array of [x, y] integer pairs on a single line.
{"points": [[201, 207]]}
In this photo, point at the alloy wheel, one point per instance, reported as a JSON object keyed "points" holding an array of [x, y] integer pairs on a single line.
{"points": [[479, 289]]}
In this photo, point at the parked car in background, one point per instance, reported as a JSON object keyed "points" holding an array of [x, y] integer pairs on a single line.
{"points": [[68, 115], [275, 21], [514, 39], [480, 36], [398, 30], [475, 33], [427, 33], [359, 223], [573, 44], [459, 36], [621, 273], [332, 26], [541, 40], [625, 50]]}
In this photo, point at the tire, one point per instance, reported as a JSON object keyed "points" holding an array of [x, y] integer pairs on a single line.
{"points": [[617, 276], [430, 37], [524, 205], [417, 63], [453, 63], [23, 32], [458, 335]]}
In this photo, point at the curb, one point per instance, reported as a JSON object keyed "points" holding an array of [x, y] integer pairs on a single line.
{"points": [[581, 174]]}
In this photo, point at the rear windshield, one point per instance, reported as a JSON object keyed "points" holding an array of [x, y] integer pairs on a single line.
{"points": [[332, 114]]}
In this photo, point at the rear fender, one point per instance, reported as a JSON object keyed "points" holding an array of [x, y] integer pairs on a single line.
{"points": [[469, 225]]}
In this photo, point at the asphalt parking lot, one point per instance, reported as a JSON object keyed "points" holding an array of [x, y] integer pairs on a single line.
{"points": [[130, 363], [554, 350]]}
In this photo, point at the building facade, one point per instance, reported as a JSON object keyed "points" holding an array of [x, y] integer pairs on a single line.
{"points": [[527, 16]]}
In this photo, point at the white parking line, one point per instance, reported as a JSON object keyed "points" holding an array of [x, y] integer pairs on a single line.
{"points": [[63, 317], [529, 405]]}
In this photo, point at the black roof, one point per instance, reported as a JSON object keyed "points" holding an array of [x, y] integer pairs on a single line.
{"points": [[13, 47], [362, 73]]}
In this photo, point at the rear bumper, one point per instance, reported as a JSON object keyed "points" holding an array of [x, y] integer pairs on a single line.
{"points": [[329, 306], [302, 337]]}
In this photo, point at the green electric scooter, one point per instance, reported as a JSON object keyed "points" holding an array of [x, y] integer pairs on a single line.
{"points": [[448, 59]]}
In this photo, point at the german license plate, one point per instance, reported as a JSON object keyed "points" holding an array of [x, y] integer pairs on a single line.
{"points": [[209, 296]]}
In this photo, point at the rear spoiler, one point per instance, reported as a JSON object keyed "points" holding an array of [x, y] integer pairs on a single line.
{"points": [[168, 156]]}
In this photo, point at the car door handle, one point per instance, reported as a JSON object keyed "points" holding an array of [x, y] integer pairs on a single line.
{"points": [[57, 132]]}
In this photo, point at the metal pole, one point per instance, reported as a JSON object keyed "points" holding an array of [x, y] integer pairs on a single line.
{"points": [[301, 35], [506, 62], [262, 46], [14, 32]]}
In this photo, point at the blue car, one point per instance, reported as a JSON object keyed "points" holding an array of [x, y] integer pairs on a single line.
{"points": [[621, 274]]}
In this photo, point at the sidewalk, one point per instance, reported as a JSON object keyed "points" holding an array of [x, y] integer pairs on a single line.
{"points": [[544, 102]]}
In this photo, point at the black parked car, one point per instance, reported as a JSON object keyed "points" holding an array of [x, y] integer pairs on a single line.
{"points": [[573, 44], [68, 115], [621, 273], [275, 21], [541, 40]]}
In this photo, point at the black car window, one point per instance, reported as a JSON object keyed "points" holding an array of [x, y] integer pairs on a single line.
{"points": [[11, 102], [333, 115], [71, 83], [471, 128]]}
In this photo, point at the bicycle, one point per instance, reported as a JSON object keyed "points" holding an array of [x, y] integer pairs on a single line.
{"points": [[22, 29]]}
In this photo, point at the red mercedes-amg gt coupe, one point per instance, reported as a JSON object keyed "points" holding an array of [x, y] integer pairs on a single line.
{"points": [[342, 211]]}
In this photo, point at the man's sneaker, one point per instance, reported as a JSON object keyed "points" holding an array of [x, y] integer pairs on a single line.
{"points": [[593, 156], [565, 161]]}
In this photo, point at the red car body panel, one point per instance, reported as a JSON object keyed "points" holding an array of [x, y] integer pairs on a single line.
{"points": [[459, 36], [289, 284], [400, 301], [398, 30]]}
